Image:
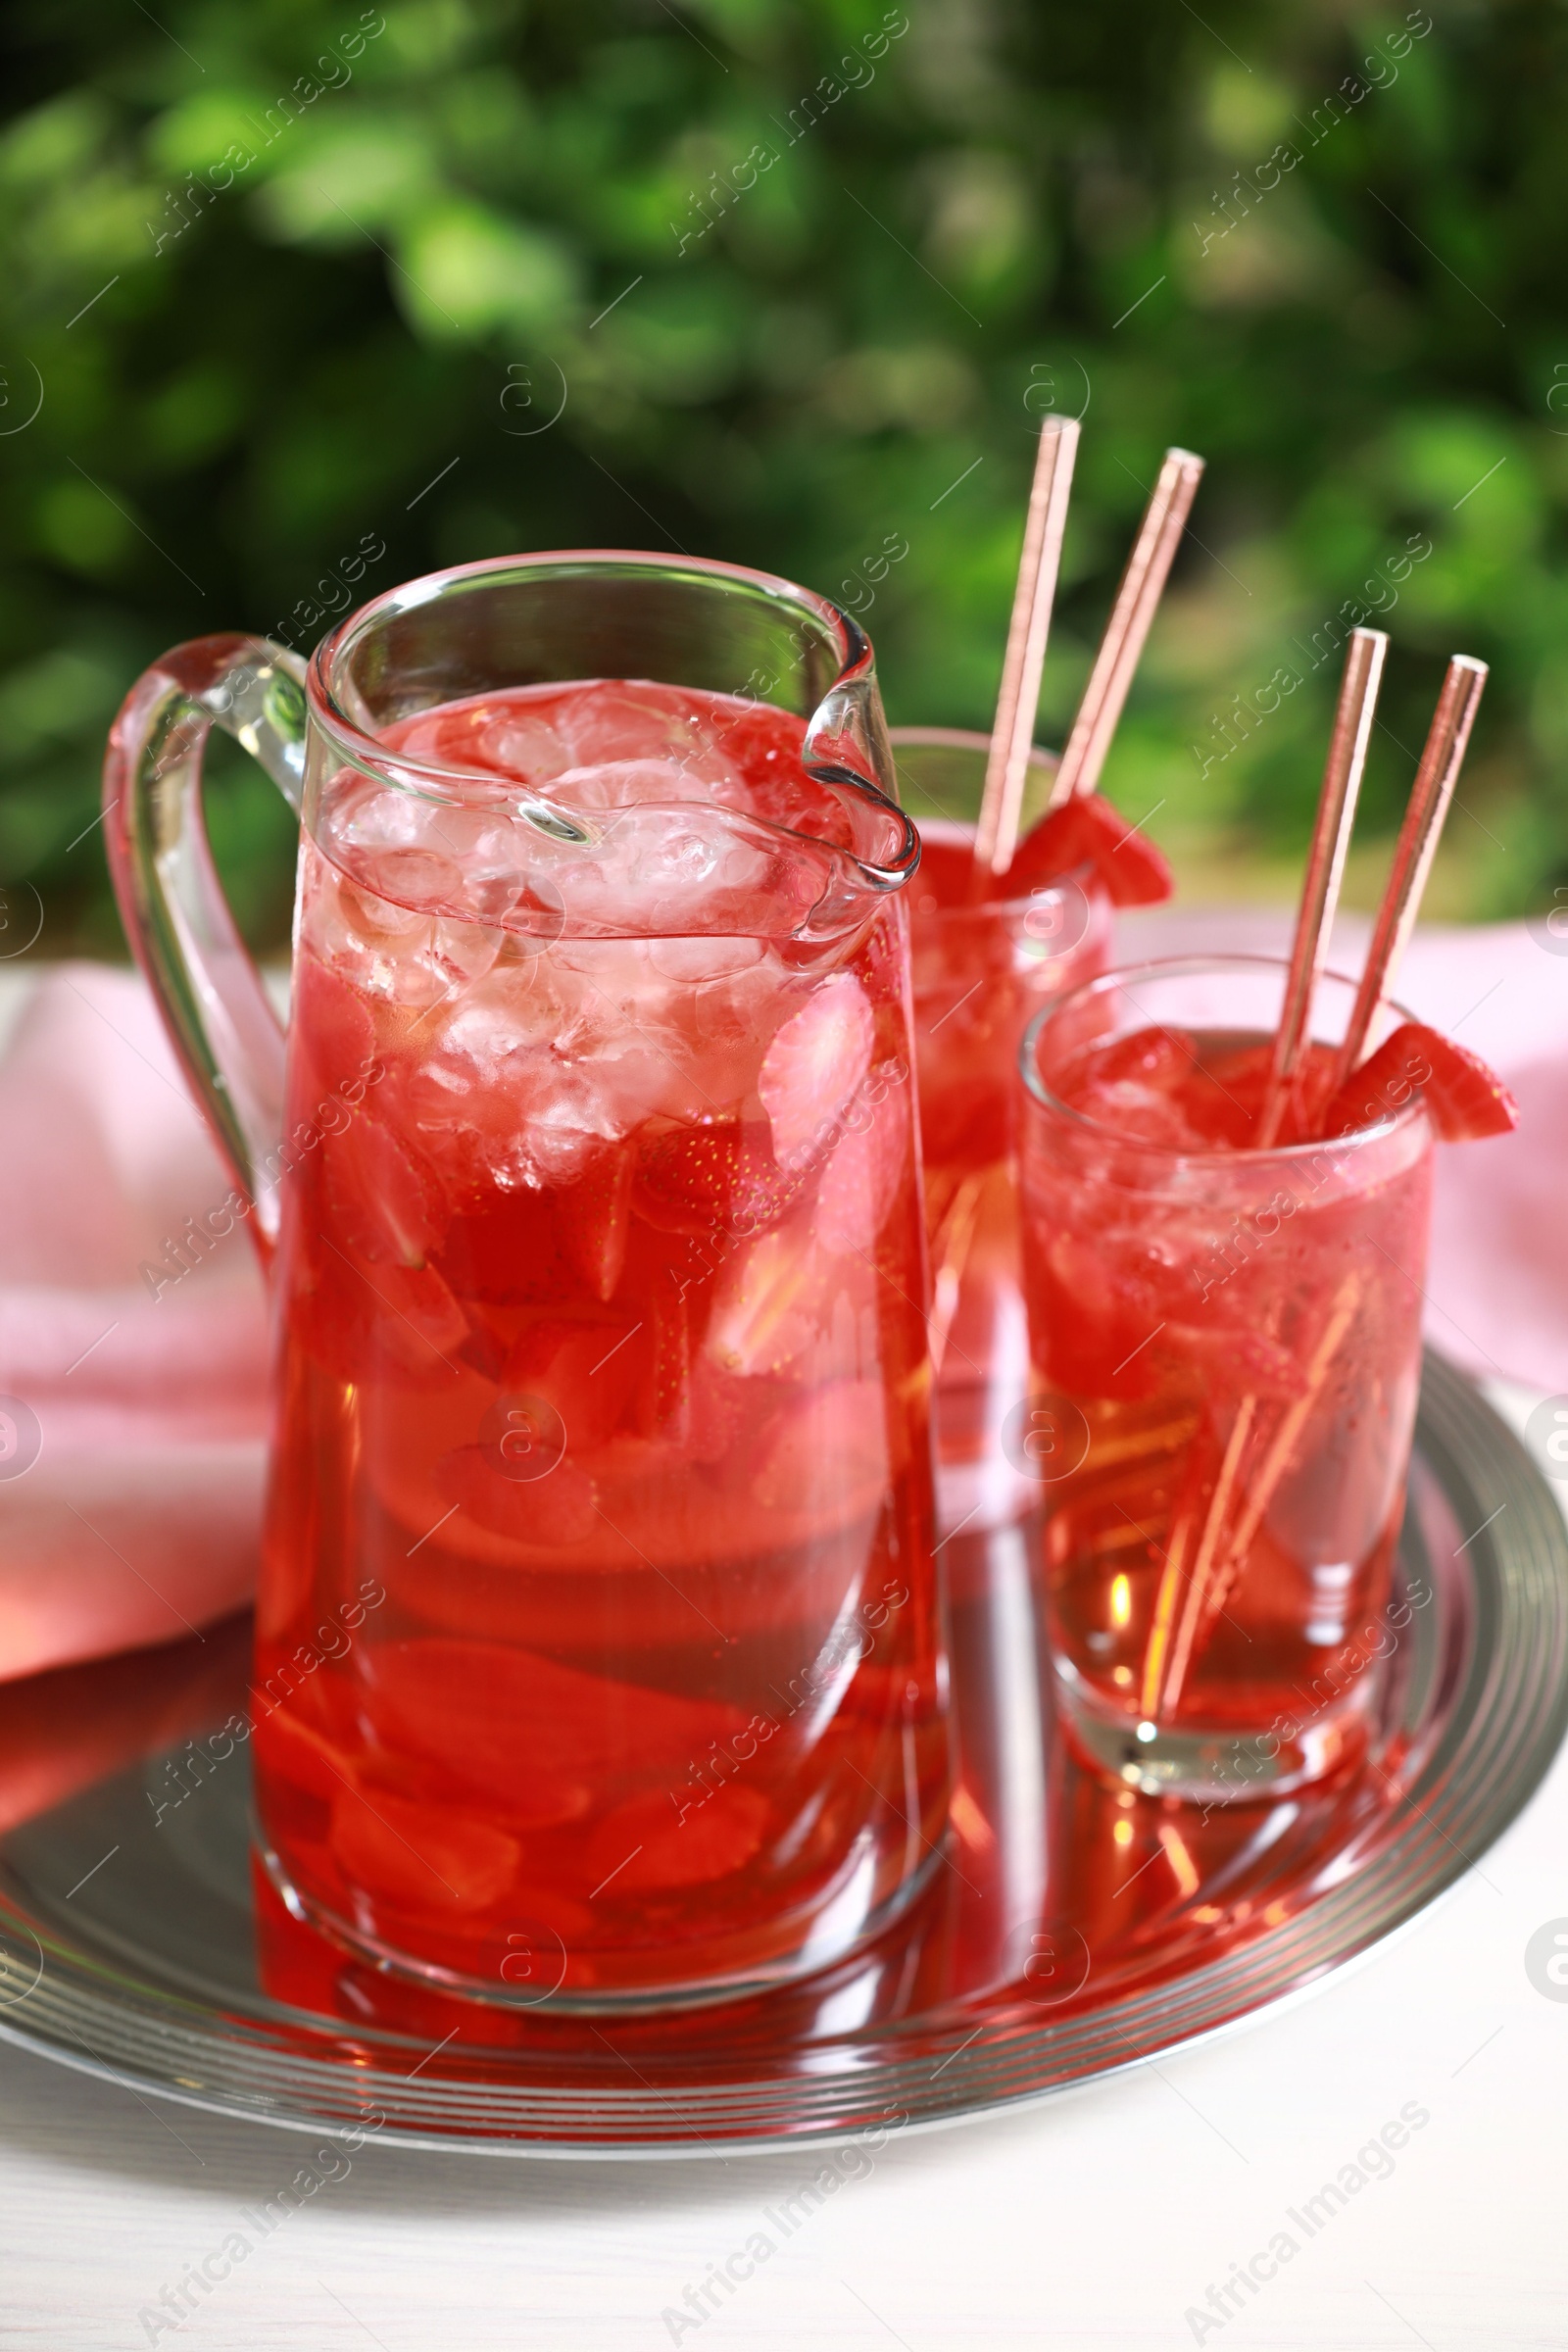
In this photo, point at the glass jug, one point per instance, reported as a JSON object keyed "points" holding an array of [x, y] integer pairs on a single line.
{"points": [[599, 1649]]}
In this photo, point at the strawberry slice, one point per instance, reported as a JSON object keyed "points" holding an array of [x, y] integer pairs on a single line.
{"points": [[517, 1718], [362, 1321], [381, 1204], [593, 1218], [717, 1176], [647, 1846], [663, 1398], [1089, 831], [549, 1512], [774, 1301], [1464, 1098], [814, 1068], [860, 1181], [584, 1369], [421, 1855], [828, 1452], [294, 1750]]}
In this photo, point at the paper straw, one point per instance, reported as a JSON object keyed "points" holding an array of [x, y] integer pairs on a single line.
{"points": [[1131, 616], [1013, 735], [1325, 867], [1417, 846]]}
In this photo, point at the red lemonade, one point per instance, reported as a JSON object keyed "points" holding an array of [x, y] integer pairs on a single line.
{"points": [[979, 972], [603, 1383], [982, 967]]}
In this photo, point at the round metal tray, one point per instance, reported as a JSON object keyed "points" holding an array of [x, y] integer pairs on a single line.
{"points": [[1076, 1929]]}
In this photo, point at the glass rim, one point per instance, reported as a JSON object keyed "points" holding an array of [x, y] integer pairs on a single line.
{"points": [[449, 781], [1175, 967], [968, 739], [965, 738]]}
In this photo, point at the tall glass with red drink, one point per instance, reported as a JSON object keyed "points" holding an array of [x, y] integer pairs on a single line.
{"points": [[981, 971], [598, 1652], [1226, 1354]]}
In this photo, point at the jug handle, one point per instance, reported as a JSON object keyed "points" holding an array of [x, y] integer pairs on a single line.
{"points": [[216, 1008]]}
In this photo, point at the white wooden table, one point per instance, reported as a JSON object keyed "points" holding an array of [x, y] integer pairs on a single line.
{"points": [[1100, 2220]]}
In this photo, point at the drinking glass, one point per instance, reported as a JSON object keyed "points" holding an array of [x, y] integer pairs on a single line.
{"points": [[599, 1648], [1226, 1350], [979, 973]]}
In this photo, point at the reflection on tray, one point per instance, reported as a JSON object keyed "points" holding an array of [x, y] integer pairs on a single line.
{"points": [[1059, 1893]]}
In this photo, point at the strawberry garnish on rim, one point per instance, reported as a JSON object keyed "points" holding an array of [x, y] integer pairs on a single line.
{"points": [[1088, 831], [1464, 1098]]}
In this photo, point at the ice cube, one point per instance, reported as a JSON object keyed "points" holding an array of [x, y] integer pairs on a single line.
{"points": [[525, 747], [460, 953], [485, 864], [546, 1060], [735, 1015], [603, 722], [377, 919], [623, 783], [626, 1027], [566, 1119], [1142, 1112], [420, 878], [371, 817], [452, 736], [490, 1101], [519, 1007], [393, 924], [665, 872], [698, 960], [660, 854]]}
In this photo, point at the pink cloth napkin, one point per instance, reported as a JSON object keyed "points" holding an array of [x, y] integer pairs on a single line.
{"points": [[130, 1427], [137, 1520]]}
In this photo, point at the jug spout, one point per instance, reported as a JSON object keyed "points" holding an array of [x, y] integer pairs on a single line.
{"points": [[847, 728]]}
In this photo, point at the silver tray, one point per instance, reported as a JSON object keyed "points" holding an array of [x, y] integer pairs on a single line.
{"points": [[1074, 1931]]}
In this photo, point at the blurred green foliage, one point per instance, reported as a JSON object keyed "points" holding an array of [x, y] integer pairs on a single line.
{"points": [[288, 276]]}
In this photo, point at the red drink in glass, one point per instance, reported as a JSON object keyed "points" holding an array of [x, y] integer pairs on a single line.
{"points": [[979, 973], [1226, 1357]]}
